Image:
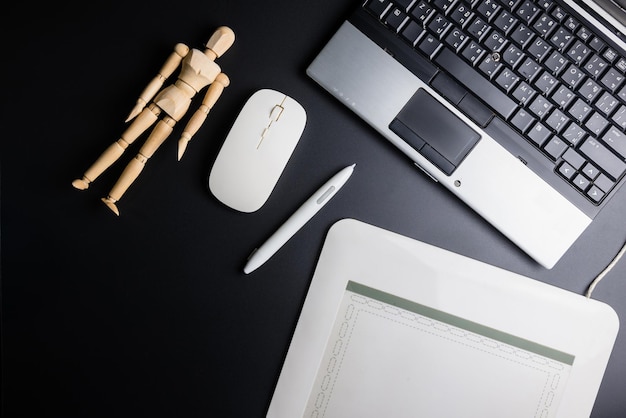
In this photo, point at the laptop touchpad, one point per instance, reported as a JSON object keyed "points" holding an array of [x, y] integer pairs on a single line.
{"points": [[434, 131]]}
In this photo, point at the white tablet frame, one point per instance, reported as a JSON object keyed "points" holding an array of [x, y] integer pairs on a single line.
{"points": [[454, 284]]}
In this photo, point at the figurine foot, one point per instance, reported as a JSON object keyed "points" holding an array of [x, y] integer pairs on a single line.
{"points": [[81, 184], [110, 202]]}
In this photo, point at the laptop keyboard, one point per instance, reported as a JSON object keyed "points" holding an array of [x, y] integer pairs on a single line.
{"points": [[559, 85]]}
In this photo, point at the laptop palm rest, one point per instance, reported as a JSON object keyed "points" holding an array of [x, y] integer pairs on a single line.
{"points": [[490, 179], [434, 131]]}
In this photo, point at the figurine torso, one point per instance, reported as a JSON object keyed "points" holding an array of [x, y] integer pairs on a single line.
{"points": [[197, 71]]}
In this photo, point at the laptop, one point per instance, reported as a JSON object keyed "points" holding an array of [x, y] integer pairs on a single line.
{"points": [[517, 107], [396, 327]]}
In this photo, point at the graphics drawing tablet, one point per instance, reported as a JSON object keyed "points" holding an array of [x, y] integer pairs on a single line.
{"points": [[396, 327]]}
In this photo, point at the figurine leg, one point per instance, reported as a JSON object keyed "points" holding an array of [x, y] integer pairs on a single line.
{"points": [[145, 119], [160, 133]]}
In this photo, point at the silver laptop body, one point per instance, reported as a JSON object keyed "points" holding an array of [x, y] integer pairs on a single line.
{"points": [[502, 181]]}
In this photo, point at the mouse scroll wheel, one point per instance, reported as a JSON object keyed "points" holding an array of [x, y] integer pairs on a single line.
{"points": [[276, 112]]}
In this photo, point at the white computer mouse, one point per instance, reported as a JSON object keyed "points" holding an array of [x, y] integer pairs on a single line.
{"points": [[256, 150]]}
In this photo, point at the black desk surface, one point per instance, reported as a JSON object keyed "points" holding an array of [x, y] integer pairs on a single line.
{"points": [[149, 313]]}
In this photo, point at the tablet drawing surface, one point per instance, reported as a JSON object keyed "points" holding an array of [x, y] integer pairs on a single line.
{"points": [[387, 356]]}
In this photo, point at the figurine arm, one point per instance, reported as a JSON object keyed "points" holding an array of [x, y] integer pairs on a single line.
{"points": [[173, 61], [212, 95]]}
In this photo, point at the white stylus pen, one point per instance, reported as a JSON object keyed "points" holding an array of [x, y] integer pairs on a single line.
{"points": [[298, 219]]}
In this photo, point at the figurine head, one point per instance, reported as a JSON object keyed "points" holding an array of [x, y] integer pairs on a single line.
{"points": [[222, 39]]}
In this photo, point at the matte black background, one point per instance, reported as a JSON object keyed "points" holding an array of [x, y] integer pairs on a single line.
{"points": [[149, 313]]}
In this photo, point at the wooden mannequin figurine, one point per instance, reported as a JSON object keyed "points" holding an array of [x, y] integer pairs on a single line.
{"points": [[198, 70]]}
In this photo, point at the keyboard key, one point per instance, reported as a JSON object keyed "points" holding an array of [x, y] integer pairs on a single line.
{"points": [[523, 93], [403, 4], [546, 83], [581, 182], [595, 66], [489, 66], [597, 44], [544, 25], [561, 38], [395, 19], [512, 55], [589, 89], [578, 52], [616, 139], [378, 7], [412, 32], [591, 171], [488, 9], [596, 124], [540, 106], [527, 11], [606, 103], [580, 110], [443, 5], [603, 157], [429, 45], [505, 21], [563, 96], [522, 35], [509, 4], [507, 79], [612, 79], [572, 76], [574, 158], [495, 41], [574, 133], [461, 14], [529, 69], [555, 147], [522, 120], [422, 11], [619, 117], [584, 33], [556, 63], [539, 134], [557, 121], [610, 55], [439, 25], [473, 52], [622, 93], [455, 39], [559, 14], [595, 193], [478, 28], [567, 170], [604, 183], [538, 49]]}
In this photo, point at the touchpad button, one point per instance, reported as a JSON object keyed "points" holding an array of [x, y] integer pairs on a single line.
{"points": [[425, 120]]}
